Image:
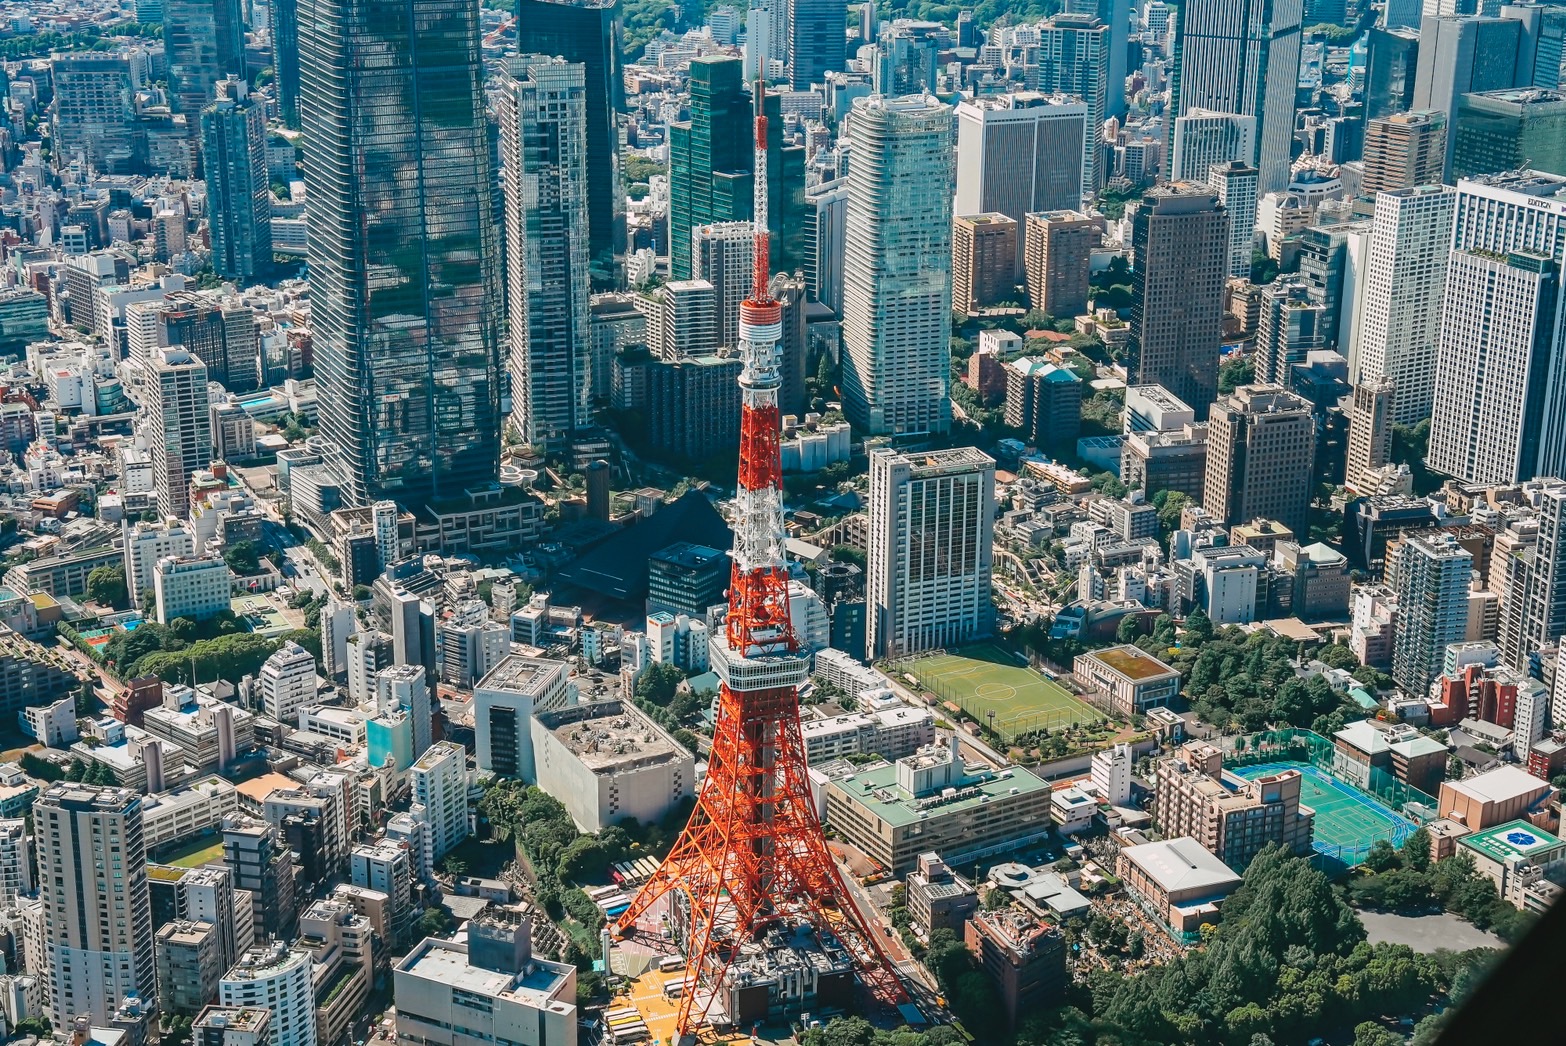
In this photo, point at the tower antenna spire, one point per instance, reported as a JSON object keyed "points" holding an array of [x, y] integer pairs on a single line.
{"points": [[753, 854]]}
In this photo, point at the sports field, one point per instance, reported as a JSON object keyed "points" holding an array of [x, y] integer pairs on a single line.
{"points": [[1348, 822], [985, 679]]}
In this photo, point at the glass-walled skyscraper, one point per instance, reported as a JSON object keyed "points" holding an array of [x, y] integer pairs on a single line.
{"points": [[205, 40], [588, 32], [403, 247]]}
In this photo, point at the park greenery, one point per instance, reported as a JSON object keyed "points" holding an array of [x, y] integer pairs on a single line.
{"points": [[186, 651], [657, 693], [1407, 882], [1289, 959], [106, 586]]}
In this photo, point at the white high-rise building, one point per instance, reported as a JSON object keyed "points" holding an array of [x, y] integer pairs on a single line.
{"points": [[440, 797], [287, 683], [721, 254], [503, 705], [1015, 154], [1433, 575], [1204, 137], [1111, 773], [1400, 320], [1242, 56], [145, 544], [278, 979], [1235, 184], [931, 546], [1499, 413], [898, 266], [16, 861], [383, 522], [543, 148], [97, 912], [178, 426], [193, 587], [405, 687], [1531, 717]]}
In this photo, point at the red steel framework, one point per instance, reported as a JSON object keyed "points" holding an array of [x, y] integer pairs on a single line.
{"points": [[753, 853]]}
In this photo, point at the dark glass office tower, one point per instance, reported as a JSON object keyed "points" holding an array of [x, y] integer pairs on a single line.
{"points": [[239, 193], [711, 157], [587, 32], [1391, 64], [205, 40], [817, 41], [404, 252], [285, 58]]}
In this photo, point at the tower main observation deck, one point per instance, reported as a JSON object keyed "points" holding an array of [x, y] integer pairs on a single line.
{"points": [[753, 859]]}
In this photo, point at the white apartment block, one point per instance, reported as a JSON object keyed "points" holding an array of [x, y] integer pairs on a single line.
{"points": [[890, 733], [194, 587], [440, 795], [1500, 412], [279, 980], [1204, 138], [932, 522], [287, 683], [145, 545], [16, 861], [178, 426], [1433, 577], [1406, 277], [503, 705], [1235, 184]]}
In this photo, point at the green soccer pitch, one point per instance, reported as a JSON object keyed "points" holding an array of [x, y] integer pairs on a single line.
{"points": [[984, 679]]}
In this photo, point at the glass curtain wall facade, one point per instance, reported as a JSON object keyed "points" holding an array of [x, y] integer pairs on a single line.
{"points": [[404, 251]]}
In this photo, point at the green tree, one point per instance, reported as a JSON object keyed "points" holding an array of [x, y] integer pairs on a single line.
{"points": [[106, 586], [1128, 629], [1415, 852], [243, 557], [1382, 857], [435, 922], [1369, 1033], [657, 684]]}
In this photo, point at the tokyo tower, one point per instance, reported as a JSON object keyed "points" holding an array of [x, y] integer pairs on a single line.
{"points": [[752, 859]]}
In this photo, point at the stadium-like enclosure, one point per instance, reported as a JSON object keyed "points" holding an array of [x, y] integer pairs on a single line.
{"points": [[997, 691], [1355, 805]]}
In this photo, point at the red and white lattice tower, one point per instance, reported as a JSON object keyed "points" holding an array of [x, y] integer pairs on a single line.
{"points": [[753, 854]]}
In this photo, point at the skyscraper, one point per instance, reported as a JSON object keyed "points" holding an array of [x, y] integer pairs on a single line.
{"points": [[984, 261], [1016, 154], [721, 254], [1059, 252], [1433, 573], [711, 162], [1404, 150], [587, 32], [1261, 442], [817, 43], [1494, 366], [1242, 56], [1507, 130], [897, 267], [179, 427], [907, 56], [404, 253], [1391, 66], [239, 193], [1402, 310], [94, 113], [1116, 15], [1203, 137], [1292, 324], [543, 146], [1500, 363], [205, 40], [1461, 54], [1181, 238], [928, 570], [1541, 57], [97, 913], [1370, 431], [1074, 60], [1537, 617], [285, 58], [1235, 185]]}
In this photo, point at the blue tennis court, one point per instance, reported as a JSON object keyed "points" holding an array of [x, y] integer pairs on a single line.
{"points": [[1348, 822]]}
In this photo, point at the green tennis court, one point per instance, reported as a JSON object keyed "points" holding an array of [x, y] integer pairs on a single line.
{"points": [[1348, 822], [985, 680]]}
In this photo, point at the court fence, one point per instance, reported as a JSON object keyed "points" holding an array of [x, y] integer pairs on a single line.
{"points": [[1306, 746], [978, 711]]}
